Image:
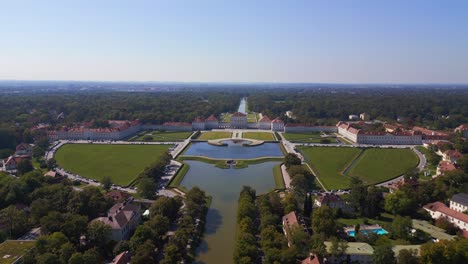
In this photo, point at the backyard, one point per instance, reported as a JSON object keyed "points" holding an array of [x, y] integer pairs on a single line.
{"points": [[122, 163]]}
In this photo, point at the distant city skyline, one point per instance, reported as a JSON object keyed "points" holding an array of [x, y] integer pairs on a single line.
{"points": [[390, 42]]}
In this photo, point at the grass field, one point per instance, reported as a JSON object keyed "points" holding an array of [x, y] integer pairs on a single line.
{"points": [[328, 163], [214, 135], [377, 165], [373, 166], [122, 163], [162, 136], [251, 117], [12, 250], [259, 135]]}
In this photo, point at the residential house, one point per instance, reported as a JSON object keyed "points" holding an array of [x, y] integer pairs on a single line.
{"points": [[451, 155], [364, 116], [11, 162], [23, 149], [444, 167], [331, 200], [356, 252], [122, 258], [312, 259], [463, 129], [459, 202], [123, 218], [395, 186], [290, 221], [440, 210]]}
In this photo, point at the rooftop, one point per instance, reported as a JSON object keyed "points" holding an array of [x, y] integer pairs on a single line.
{"points": [[354, 248], [416, 248], [445, 166], [434, 231], [461, 198], [290, 219]]}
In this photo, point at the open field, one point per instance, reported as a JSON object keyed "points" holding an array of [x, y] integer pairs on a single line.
{"points": [[259, 135], [373, 166], [377, 165], [328, 163], [162, 136], [12, 250], [122, 163], [214, 135]]}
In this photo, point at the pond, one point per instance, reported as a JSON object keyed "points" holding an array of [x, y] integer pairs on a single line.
{"points": [[224, 186], [234, 150]]}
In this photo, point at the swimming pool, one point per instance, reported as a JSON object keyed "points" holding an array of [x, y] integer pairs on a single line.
{"points": [[378, 231]]}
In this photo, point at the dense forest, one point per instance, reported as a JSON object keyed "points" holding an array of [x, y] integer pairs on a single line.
{"points": [[436, 108]]}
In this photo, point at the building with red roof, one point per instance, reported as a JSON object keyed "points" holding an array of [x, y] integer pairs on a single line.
{"points": [[332, 201], [198, 124], [117, 129], [122, 258], [428, 134], [361, 136], [440, 210], [238, 120], [444, 167], [11, 163], [463, 129], [451, 155], [312, 259], [277, 125], [23, 149], [211, 122], [264, 123]]}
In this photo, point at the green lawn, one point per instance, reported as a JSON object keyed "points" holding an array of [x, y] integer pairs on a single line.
{"points": [[162, 136], [225, 118], [122, 163], [329, 162], [377, 165], [214, 135], [259, 135], [251, 117], [279, 182], [12, 250]]}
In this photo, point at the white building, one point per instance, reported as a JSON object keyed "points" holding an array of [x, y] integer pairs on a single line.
{"points": [[277, 124], [459, 202], [332, 201], [264, 123], [198, 124], [211, 122], [379, 137], [238, 120], [117, 129], [353, 117], [439, 210], [364, 116]]}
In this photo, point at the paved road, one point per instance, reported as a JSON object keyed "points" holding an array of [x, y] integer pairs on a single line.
{"points": [[422, 159]]}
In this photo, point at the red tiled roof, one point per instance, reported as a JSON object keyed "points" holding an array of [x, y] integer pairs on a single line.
{"points": [[239, 114], [453, 154], [429, 132], [15, 159], [327, 198], [445, 166], [23, 146], [211, 118], [177, 124], [463, 127], [265, 119], [312, 259], [122, 258], [442, 208], [198, 120], [290, 219], [277, 120]]}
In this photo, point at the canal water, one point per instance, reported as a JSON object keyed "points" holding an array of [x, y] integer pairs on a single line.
{"points": [[224, 185], [242, 106], [234, 150]]}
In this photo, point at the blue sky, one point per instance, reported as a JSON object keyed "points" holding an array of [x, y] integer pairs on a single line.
{"points": [[235, 41]]}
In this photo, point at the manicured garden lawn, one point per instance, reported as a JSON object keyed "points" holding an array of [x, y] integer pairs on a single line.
{"points": [[122, 163], [163, 136], [377, 165], [11, 250], [329, 162], [259, 135], [214, 135], [251, 118]]}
